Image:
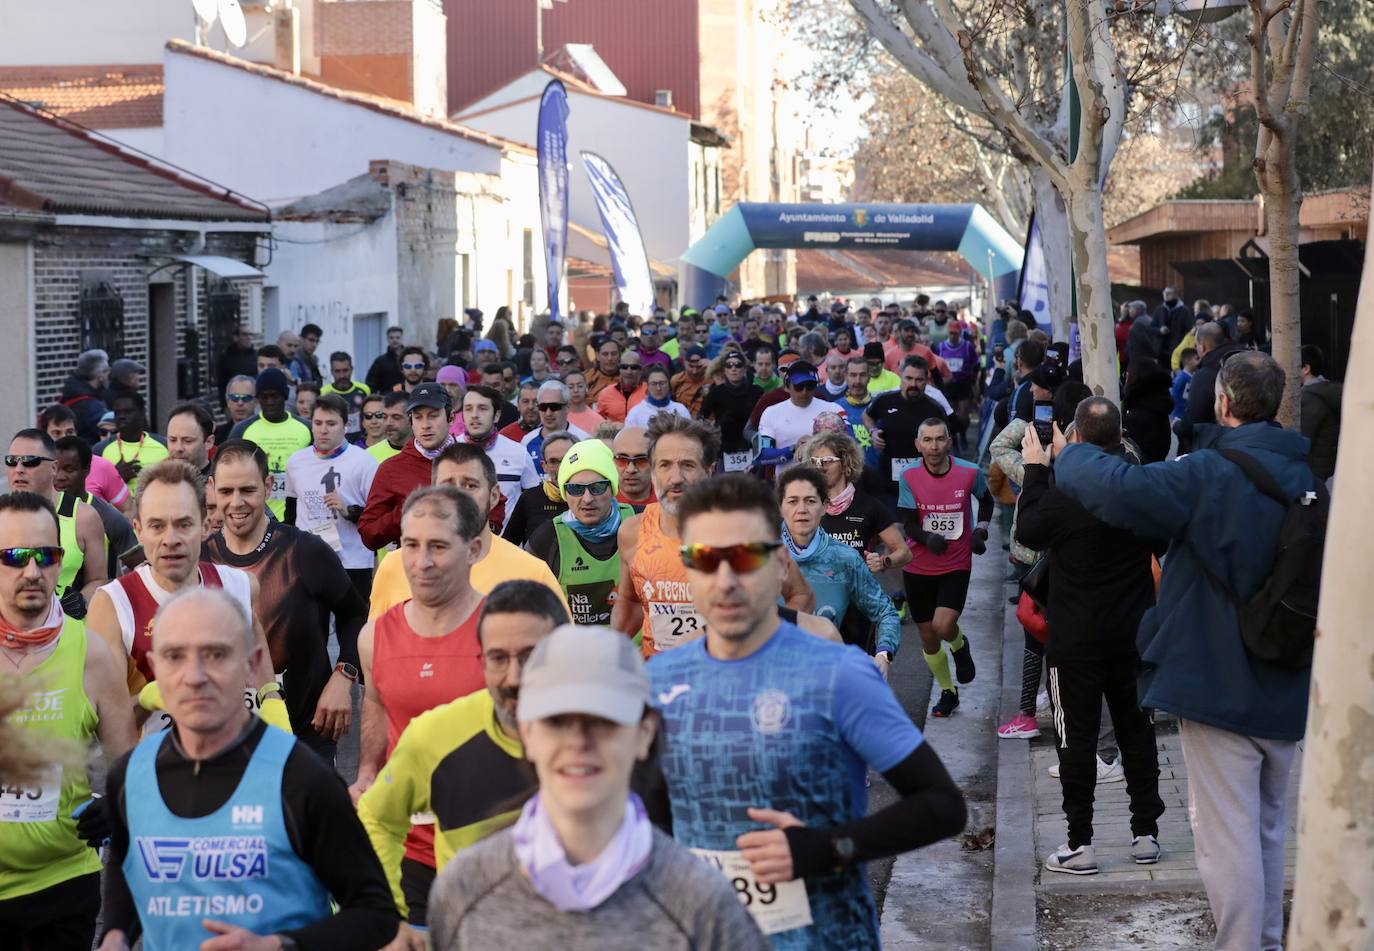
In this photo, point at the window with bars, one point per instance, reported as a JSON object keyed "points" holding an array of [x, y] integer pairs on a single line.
{"points": [[222, 307], [101, 316]]}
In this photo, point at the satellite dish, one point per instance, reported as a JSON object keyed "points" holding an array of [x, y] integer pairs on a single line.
{"points": [[232, 21], [207, 10]]}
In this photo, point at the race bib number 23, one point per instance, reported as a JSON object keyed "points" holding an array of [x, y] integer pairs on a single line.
{"points": [[775, 908]]}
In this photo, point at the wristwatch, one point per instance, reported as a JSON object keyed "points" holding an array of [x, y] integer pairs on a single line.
{"points": [[348, 670], [842, 848]]}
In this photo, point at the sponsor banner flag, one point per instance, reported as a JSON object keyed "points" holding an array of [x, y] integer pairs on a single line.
{"points": [[628, 258], [1034, 292], [553, 185]]}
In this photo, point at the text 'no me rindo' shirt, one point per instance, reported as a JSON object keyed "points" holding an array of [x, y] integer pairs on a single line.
{"points": [[945, 506]]}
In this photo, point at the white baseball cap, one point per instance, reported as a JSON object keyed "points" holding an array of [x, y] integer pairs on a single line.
{"points": [[590, 670]]}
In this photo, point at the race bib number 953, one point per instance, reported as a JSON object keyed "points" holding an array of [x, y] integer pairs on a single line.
{"points": [[775, 908], [948, 524]]}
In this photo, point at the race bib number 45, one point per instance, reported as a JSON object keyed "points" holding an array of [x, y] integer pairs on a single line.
{"points": [[948, 524], [34, 802], [776, 908]]}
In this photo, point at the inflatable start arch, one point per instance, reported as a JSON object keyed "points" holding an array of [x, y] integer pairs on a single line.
{"points": [[968, 229]]}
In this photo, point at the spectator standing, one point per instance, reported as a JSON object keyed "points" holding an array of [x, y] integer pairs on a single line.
{"points": [[1321, 412], [240, 358], [1100, 585], [305, 366], [1240, 717], [1146, 339], [1214, 349], [1147, 405], [385, 373], [1183, 380], [1173, 319], [83, 391]]}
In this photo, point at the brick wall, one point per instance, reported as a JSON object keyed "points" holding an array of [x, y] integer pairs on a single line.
{"points": [[368, 46], [64, 256]]}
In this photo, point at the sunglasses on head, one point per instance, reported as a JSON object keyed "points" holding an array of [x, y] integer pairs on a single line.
{"points": [[550, 407], [575, 489], [240, 397], [412, 366], [28, 462], [742, 559], [46, 556]]}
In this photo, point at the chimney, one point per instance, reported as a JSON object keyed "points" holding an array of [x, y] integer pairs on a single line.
{"points": [[286, 24], [391, 48], [664, 98]]}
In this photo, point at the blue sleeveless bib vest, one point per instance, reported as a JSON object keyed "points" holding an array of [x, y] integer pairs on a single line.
{"points": [[235, 865]]}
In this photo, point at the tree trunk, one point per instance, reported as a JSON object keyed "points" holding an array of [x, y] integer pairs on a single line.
{"points": [[1333, 903], [1094, 286], [1054, 231], [1282, 200]]}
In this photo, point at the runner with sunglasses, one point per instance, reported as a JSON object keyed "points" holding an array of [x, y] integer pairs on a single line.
{"points": [[614, 401], [728, 404], [31, 466], [769, 733], [49, 879], [783, 425], [654, 602], [935, 501], [580, 545], [552, 400], [631, 448], [414, 368]]}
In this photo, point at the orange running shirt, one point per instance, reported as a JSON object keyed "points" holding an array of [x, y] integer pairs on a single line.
{"points": [[660, 579]]}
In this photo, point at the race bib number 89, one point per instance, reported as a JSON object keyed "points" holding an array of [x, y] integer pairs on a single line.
{"points": [[948, 524], [775, 908]]}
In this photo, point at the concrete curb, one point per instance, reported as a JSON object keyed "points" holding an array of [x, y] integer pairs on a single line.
{"points": [[1014, 860]]}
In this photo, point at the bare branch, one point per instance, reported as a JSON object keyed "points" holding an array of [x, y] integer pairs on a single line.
{"points": [[913, 59], [1302, 66]]}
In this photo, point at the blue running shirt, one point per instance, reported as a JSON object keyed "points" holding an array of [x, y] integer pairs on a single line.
{"points": [[791, 727]]}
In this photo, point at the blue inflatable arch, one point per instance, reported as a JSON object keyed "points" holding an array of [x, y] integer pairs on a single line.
{"points": [[968, 229]]}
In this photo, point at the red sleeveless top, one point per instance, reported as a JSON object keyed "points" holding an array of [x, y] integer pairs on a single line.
{"points": [[145, 606], [413, 674]]}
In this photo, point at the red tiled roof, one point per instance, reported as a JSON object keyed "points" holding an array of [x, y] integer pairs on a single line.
{"points": [[390, 107], [98, 97], [48, 164]]}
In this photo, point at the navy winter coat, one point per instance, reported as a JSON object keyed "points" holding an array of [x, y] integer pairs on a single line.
{"points": [[1194, 664]]}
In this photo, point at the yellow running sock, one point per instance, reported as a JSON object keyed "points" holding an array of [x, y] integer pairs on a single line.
{"points": [[938, 663], [958, 642]]}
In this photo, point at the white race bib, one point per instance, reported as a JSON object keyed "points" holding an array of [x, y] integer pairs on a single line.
{"points": [[776, 908], [739, 461], [672, 624], [355, 421], [955, 364], [328, 532], [34, 802], [278, 493], [898, 465], [948, 524]]}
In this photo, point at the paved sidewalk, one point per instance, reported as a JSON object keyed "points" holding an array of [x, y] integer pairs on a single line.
{"points": [[1177, 867]]}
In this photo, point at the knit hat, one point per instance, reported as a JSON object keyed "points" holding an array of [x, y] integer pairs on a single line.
{"points": [[452, 374], [590, 454], [273, 380]]}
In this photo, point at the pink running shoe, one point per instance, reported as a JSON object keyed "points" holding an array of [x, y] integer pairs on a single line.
{"points": [[1019, 727]]}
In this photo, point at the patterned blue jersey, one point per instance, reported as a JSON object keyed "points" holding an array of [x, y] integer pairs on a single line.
{"points": [[791, 727]]}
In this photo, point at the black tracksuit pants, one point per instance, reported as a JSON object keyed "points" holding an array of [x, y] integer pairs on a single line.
{"points": [[1078, 683]]}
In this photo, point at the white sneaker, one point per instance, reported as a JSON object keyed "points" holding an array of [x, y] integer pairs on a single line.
{"points": [[1079, 861], [1106, 772], [1145, 850]]}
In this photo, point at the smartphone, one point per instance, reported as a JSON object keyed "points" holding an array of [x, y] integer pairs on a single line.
{"points": [[1044, 422]]}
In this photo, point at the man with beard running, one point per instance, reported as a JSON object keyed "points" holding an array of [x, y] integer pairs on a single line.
{"points": [[169, 521], [655, 601], [514, 469], [301, 583], [423, 652], [936, 504], [430, 411], [438, 754]]}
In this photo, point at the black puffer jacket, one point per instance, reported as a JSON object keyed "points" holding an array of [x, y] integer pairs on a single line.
{"points": [[1148, 404]]}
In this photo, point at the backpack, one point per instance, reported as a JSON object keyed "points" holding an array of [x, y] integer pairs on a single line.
{"points": [[1278, 624]]}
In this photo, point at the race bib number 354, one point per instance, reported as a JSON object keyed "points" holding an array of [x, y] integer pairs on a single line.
{"points": [[776, 908]]}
